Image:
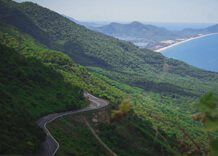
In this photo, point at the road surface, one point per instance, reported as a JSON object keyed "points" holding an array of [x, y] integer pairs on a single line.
{"points": [[50, 146]]}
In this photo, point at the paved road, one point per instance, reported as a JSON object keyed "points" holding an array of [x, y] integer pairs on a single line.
{"points": [[50, 146]]}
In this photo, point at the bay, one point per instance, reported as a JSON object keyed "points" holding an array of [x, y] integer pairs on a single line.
{"points": [[201, 52]]}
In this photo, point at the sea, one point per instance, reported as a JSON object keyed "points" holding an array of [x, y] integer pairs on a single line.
{"points": [[201, 52]]}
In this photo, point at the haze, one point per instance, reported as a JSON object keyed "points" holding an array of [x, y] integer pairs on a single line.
{"points": [[184, 11]]}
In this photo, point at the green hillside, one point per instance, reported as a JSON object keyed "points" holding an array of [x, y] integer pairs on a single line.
{"points": [[122, 136], [29, 89], [36, 81], [172, 80], [140, 67], [59, 62], [155, 84], [33, 84]]}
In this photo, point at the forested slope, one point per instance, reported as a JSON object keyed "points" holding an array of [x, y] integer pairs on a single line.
{"points": [[29, 90], [155, 84], [122, 60], [36, 81]]}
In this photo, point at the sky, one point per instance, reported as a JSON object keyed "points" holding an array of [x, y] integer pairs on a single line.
{"points": [[181, 11]]}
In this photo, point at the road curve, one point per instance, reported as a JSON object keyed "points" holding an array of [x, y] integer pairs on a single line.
{"points": [[50, 146]]}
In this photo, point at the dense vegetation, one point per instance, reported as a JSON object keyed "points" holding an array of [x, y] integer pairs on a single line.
{"points": [[36, 81], [29, 89], [75, 138], [123, 136], [155, 84], [121, 60], [93, 49], [207, 115], [61, 63]]}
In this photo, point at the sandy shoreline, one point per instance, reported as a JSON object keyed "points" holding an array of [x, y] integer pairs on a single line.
{"points": [[177, 43]]}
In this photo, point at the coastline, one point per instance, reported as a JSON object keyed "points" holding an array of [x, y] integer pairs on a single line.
{"points": [[177, 43]]}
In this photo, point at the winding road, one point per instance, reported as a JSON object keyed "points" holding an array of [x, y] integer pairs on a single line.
{"points": [[50, 146]]}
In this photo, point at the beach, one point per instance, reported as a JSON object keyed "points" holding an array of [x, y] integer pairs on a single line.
{"points": [[177, 43]]}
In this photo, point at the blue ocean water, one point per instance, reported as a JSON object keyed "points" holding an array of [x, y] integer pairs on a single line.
{"points": [[201, 52]]}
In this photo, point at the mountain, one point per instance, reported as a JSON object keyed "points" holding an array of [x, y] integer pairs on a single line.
{"points": [[135, 30], [29, 89], [72, 19], [93, 49], [149, 36], [151, 32], [156, 85], [89, 25], [212, 29], [36, 81]]}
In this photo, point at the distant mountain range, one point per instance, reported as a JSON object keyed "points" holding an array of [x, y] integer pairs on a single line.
{"points": [[136, 29], [213, 29], [151, 32]]}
